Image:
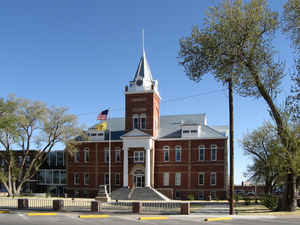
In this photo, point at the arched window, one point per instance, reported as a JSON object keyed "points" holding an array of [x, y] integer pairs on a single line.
{"points": [[143, 121], [135, 120]]}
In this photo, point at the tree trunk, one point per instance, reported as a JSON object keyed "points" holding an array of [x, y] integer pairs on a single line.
{"points": [[231, 188], [289, 196]]}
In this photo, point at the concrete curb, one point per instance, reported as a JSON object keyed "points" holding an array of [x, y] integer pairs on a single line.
{"points": [[154, 218], [217, 219]]}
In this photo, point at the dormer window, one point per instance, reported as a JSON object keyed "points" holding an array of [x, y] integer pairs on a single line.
{"points": [[143, 121]]}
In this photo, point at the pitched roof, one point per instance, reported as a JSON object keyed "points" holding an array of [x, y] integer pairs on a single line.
{"points": [[143, 69], [170, 127]]}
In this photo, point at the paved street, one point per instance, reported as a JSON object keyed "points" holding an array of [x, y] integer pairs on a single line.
{"points": [[21, 218]]}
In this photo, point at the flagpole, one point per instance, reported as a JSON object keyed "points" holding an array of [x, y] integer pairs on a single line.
{"points": [[109, 150]]}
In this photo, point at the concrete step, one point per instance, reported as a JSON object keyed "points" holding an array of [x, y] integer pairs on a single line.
{"points": [[145, 193]]}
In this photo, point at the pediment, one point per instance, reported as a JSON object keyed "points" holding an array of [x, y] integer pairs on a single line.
{"points": [[136, 133]]}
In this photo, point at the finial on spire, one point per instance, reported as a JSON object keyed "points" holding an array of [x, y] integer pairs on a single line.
{"points": [[143, 41]]}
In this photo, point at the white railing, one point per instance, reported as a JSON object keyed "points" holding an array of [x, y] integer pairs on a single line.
{"points": [[40, 203], [6, 203]]}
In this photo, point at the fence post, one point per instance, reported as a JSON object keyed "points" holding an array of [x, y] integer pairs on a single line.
{"points": [[185, 208], [137, 207], [23, 204], [96, 206], [58, 205]]}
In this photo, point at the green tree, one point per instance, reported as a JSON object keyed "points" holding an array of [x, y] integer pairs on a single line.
{"points": [[263, 146], [236, 41], [28, 125]]}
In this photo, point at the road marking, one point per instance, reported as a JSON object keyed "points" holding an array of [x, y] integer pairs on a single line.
{"points": [[41, 214], [217, 219], [154, 218], [93, 216]]}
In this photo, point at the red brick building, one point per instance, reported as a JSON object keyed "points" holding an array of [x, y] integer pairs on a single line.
{"points": [[178, 155]]}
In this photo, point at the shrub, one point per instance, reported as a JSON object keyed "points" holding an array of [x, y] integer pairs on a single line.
{"points": [[270, 202], [247, 200], [237, 197], [190, 197]]}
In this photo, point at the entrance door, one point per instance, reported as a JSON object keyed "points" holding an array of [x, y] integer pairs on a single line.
{"points": [[139, 181]]}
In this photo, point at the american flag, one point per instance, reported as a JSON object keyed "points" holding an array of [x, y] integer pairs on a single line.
{"points": [[103, 115]]}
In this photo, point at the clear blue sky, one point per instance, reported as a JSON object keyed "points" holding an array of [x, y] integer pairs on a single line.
{"points": [[81, 54]]}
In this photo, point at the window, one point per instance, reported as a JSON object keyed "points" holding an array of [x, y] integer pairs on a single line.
{"points": [[60, 158], [135, 121], [27, 158], [56, 177], [143, 121], [76, 179], [177, 179], [213, 152], [86, 179], [213, 195], [194, 131], [117, 155], [213, 178], [201, 178], [86, 155], [178, 153], [106, 178], [201, 153], [106, 155], [117, 179], [20, 159], [63, 177], [186, 132], [76, 156], [166, 179], [177, 194], [166, 153], [200, 195], [139, 156]]}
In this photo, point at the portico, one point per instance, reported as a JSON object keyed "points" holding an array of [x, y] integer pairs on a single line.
{"points": [[137, 139]]}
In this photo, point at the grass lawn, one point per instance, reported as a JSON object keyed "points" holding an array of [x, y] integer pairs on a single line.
{"points": [[257, 209]]}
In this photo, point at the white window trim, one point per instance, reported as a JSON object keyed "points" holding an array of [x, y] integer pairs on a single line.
{"points": [[203, 174], [139, 153], [211, 174], [74, 179], [201, 147], [177, 179], [86, 151], [178, 148], [166, 149], [84, 179], [135, 116], [143, 116], [117, 151], [166, 181], [198, 194], [211, 151]]}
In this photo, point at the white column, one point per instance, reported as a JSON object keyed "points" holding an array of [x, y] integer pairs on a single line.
{"points": [[125, 168], [147, 168]]}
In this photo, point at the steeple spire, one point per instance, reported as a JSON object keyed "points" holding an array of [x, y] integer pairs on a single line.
{"points": [[143, 42]]}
